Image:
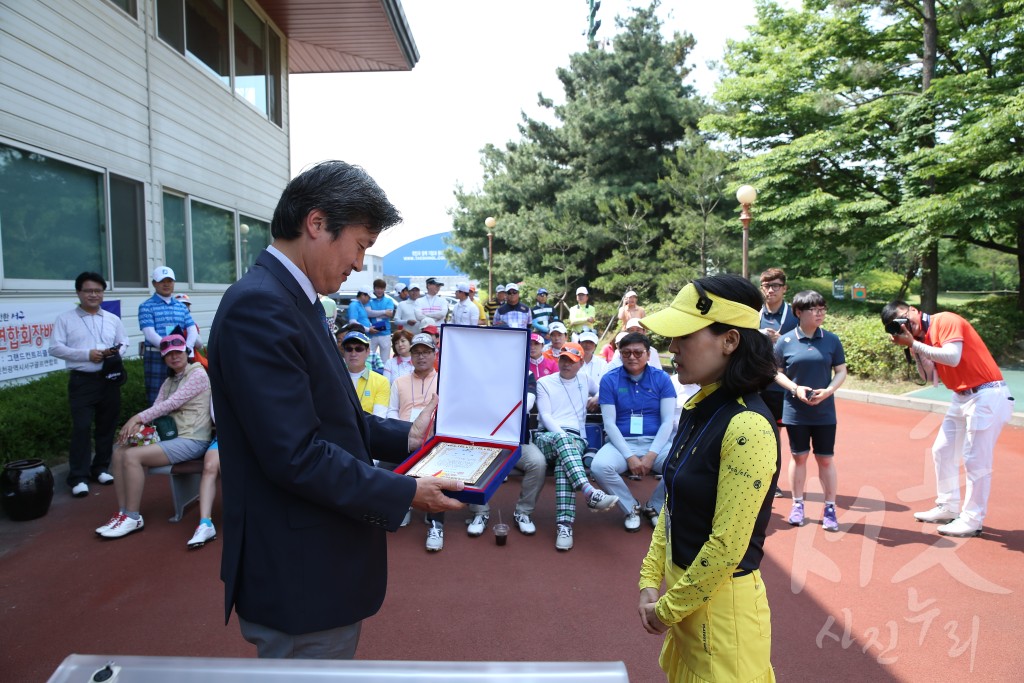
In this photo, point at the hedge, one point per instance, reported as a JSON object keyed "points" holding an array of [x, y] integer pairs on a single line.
{"points": [[35, 421]]}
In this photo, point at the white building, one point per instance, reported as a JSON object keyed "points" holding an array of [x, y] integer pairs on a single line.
{"points": [[137, 133]]}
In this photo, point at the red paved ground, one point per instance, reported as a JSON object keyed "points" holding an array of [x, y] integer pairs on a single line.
{"points": [[884, 599]]}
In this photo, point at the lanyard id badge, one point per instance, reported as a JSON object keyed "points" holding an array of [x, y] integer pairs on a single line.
{"points": [[636, 424]]}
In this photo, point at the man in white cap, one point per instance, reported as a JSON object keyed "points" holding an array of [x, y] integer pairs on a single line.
{"points": [[583, 315], [558, 336], [513, 313], [496, 301], [465, 311], [593, 366], [629, 310], [405, 312], [158, 316], [432, 304]]}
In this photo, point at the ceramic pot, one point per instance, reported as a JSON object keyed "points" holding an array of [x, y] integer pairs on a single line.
{"points": [[26, 489]]}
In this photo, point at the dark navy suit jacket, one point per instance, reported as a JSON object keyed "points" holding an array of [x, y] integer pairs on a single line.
{"points": [[305, 510]]}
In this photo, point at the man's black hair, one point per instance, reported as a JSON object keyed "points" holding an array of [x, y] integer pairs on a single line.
{"points": [[345, 193]]}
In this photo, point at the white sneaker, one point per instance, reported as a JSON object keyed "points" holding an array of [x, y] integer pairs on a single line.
{"points": [[632, 522], [435, 538], [477, 525], [959, 528], [939, 514], [123, 526], [80, 490], [599, 501], [110, 523], [105, 478], [526, 525], [563, 541], [203, 534], [407, 518]]}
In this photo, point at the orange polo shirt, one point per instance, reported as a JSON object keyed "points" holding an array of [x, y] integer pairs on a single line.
{"points": [[976, 363]]}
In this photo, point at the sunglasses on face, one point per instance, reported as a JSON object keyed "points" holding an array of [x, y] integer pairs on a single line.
{"points": [[353, 349], [172, 344], [632, 353]]}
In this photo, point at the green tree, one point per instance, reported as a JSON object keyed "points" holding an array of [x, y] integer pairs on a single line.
{"points": [[579, 199], [861, 124]]}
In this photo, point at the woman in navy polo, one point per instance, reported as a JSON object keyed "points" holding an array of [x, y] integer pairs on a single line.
{"points": [[812, 366]]}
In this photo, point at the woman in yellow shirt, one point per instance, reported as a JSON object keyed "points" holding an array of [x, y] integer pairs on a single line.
{"points": [[720, 477]]}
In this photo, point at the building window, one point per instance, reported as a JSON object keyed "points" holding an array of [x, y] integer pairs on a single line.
{"points": [[213, 244], [199, 28], [175, 240], [127, 6], [255, 236], [52, 223], [250, 57], [127, 232]]}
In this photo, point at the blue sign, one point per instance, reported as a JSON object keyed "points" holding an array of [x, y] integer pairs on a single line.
{"points": [[421, 259]]}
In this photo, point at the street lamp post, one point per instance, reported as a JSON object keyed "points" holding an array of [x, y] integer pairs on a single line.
{"points": [[490, 223], [746, 196]]}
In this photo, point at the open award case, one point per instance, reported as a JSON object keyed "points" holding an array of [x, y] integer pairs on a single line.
{"points": [[481, 410]]}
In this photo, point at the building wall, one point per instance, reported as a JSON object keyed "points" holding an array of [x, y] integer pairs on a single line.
{"points": [[83, 82]]}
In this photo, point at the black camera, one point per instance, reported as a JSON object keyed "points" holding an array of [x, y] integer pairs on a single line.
{"points": [[895, 326]]}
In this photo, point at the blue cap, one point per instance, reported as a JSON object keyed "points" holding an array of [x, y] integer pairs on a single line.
{"points": [[541, 291], [358, 336]]}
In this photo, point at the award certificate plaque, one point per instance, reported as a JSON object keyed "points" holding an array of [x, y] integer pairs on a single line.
{"points": [[465, 462]]}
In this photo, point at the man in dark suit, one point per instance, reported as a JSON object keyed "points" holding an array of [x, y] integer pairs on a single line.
{"points": [[305, 510]]}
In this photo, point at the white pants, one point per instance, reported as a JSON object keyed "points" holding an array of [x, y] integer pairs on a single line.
{"points": [[609, 464], [381, 343], [969, 431]]}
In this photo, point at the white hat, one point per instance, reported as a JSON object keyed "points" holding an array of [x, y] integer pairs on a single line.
{"points": [[619, 337], [629, 294], [400, 287], [511, 287], [462, 287], [557, 327], [499, 288], [427, 322], [423, 339], [162, 273], [588, 336], [581, 290], [364, 290], [634, 323]]}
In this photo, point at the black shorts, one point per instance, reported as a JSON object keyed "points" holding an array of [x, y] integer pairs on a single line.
{"points": [[801, 436]]}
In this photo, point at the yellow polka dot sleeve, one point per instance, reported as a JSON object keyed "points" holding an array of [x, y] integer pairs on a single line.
{"points": [[748, 464]]}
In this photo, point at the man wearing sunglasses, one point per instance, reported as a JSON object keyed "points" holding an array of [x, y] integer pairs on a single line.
{"points": [[638, 407], [373, 390]]}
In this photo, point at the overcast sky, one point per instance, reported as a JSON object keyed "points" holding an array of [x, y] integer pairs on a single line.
{"points": [[482, 62]]}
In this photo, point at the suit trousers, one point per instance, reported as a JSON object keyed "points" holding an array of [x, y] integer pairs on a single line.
{"points": [[94, 402], [334, 643]]}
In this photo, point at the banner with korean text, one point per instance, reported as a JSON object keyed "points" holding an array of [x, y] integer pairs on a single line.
{"points": [[25, 333]]}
